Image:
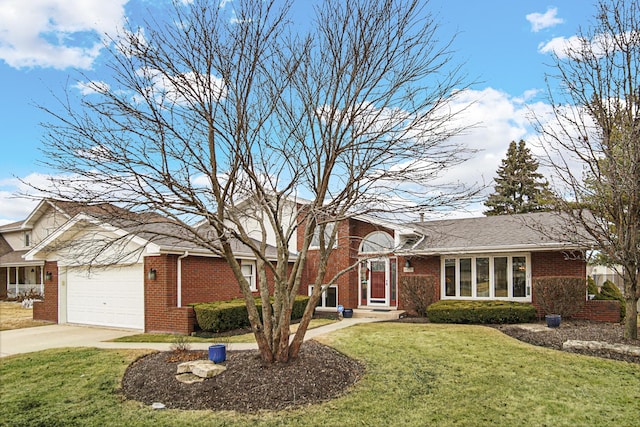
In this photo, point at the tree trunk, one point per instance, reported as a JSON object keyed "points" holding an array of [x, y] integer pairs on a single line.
{"points": [[298, 338], [631, 303]]}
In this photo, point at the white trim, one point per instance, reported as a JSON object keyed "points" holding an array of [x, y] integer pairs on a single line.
{"points": [[252, 277], [503, 249], [323, 296], [179, 279]]}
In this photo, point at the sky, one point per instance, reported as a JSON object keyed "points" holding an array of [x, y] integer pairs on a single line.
{"points": [[504, 46]]}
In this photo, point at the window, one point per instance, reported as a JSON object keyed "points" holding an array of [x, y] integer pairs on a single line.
{"points": [[249, 273], [377, 242], [487, 277], [328, 230], [27, 239], [329, 298]]}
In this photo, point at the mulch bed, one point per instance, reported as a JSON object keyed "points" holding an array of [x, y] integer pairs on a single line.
{"points": [[319, 374], [581, 330]]}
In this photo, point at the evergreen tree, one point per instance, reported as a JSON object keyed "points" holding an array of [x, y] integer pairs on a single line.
{"points": [[519, 188]]}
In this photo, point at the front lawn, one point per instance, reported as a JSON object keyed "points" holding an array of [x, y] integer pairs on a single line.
{"points": [[13, 316], [416, 375], [225, 339]]}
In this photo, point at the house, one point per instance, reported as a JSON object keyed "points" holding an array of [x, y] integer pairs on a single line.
{"points": [[142, 276], [147, 270]]}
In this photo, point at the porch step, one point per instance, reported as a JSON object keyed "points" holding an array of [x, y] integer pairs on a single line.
{"points": [[378, 313]]}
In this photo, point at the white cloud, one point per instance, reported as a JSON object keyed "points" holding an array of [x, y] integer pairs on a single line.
{"points": [[92, 87], [177, 89], [560, 46], [540, 21], [499, 117], [56, 33]]}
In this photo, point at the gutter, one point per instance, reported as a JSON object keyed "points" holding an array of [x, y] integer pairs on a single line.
{"points": [[179, 290]]}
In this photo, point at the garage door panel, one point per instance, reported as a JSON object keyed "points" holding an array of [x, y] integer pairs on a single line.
{"points": [[106, 297]]}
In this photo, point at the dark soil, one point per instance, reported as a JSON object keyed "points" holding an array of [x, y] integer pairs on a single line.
{"points": [[319, 374]]}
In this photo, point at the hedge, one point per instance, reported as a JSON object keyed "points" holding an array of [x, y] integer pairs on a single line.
{"points": [[222, 316], [480, 312]]}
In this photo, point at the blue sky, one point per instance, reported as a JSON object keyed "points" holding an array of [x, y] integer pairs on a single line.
{"points": [[504, 45]]}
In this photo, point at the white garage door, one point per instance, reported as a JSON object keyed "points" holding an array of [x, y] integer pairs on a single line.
{"points": [[106, 297]]}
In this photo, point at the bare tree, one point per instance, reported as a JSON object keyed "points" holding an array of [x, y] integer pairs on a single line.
{"points": [[221, 124], [593, 141]]}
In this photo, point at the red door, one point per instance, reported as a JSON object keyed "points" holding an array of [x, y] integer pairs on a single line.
{"points": [[378, 282]]}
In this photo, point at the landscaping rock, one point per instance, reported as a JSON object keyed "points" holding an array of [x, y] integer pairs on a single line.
{"points": [[600, 345], [200, 368], [189, 378]]}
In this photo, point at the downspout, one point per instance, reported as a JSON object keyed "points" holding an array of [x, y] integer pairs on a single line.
{"points": [[179, 290]]}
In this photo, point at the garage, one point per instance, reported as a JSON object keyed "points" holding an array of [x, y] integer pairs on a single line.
{"points": [[113, 296]]}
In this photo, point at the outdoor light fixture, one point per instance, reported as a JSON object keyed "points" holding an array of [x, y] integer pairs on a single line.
{"points": [[407, 264], [48, 275], [152, 274]]}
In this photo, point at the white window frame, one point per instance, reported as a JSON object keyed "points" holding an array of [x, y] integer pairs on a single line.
{"points": [[323, 296], [251, 277], [491, 256], [315, 239]]}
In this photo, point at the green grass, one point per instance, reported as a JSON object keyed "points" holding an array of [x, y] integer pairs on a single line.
{"points": [[417, 374], [244, 338]]}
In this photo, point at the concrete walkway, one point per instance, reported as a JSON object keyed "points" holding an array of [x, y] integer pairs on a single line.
{"points": [[39, 338]]}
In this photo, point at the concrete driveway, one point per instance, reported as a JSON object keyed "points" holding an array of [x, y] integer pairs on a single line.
{"points": [[38, 338]]}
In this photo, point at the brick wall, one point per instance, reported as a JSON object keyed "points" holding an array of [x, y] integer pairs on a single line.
{"points": [[47, 310], [560, 264], [204, 279], [600, 311], [350, 235], [208, 279], [160, 298], [422, 266]]}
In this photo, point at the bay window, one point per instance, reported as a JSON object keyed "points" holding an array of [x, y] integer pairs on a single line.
{"points": [[486, 277]]}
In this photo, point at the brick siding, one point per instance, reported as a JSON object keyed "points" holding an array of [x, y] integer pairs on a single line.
{"points": [[204, 279], [350, 235], [47, 310], [600, 311]]}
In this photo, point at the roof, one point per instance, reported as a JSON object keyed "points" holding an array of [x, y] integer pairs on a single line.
{"points": [[14, 257], [13, 226], [522, 232], [166, 235]]}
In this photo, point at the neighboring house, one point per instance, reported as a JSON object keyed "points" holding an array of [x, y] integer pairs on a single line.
{"points": [[147, 280]]}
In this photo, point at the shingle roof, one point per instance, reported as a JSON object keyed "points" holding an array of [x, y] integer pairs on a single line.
{"points": [[14, 257], [541, 230], [167, 233]]}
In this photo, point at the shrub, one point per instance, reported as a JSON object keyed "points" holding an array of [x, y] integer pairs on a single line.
{"points": [[221, 316], [560, 295], [610, 291], [417, 293], [481, 312]]}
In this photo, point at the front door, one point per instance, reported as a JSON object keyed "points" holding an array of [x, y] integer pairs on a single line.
{"points": [[378, 282]]}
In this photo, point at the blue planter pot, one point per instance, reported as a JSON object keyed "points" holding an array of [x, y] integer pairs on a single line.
{"points": [[217, 353], [553, 320]]}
